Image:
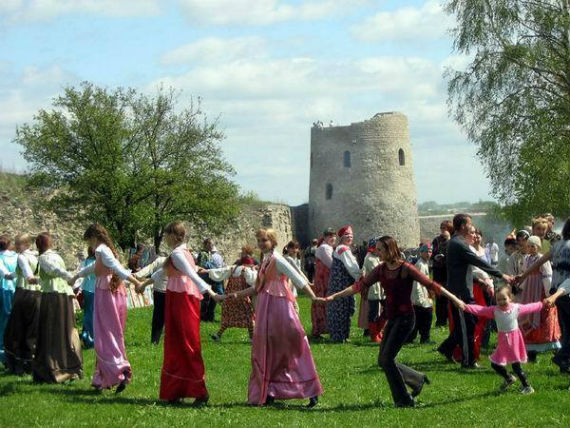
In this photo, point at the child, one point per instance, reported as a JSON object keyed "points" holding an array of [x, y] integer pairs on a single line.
{"points": [[291, 254], [88, 288], [423, 305], [510, 342], [236, 313]]}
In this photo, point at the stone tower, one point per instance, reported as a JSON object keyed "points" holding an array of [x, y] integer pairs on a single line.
{"points": [[363, 175]]}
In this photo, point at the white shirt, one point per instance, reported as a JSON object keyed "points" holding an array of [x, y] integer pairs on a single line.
{"points": [[221, 274], [325, 254], [565, 286], [24, 259], [181, 263], [50, 262], [420, 294], [283, 267], [149, 270], [109, 260], [349, 261], [492, 251]]}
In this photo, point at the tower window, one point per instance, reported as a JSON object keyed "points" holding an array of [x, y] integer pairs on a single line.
{"points": [[347, 163], [329, 191], [402, 157], [311, 160]]}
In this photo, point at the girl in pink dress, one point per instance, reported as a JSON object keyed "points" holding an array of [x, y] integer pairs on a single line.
{"points": [[510, 342], [282, 365], [112, 368]]}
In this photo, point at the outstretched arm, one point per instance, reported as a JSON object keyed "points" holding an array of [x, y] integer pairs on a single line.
{"points": [[535, 266]]}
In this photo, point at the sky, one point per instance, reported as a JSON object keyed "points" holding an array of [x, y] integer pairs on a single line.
{"points": [[264, 69]]}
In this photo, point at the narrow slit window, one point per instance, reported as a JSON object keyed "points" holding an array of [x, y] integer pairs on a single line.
{"points": [[347, 163], [329, 191], [402, 157]]}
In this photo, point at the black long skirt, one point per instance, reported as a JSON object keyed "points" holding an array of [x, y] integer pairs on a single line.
{"points": [[21, 333]]}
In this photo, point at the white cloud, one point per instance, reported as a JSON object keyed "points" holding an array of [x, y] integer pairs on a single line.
{"points": [[427, 22], [267, 106], [42, 10], [214, 49], [262, 12]]}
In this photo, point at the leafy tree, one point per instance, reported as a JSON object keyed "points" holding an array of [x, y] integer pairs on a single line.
{"points": [[130, 161], [513, 99]]}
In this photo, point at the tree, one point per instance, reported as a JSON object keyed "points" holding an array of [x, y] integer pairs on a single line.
{"points": [[128, 161], [513, 99]]}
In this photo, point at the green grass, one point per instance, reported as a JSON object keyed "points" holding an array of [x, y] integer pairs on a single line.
{"points": [[355, 390]]}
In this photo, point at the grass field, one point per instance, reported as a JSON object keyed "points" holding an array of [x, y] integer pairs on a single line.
{"points": [[355, 390]]}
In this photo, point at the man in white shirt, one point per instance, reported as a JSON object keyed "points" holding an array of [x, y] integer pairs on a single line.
{"points": [[421, 299], [492, 252]]}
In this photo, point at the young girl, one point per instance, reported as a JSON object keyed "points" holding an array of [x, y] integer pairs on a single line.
{"points": [[58, 352], [110, 311], [282, 365], [236, 313], [8, 264], [510, 343], [183, 368], [88, 289]]}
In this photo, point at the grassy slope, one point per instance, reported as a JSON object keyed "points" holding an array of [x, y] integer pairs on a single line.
{"points": [[356, 392]]}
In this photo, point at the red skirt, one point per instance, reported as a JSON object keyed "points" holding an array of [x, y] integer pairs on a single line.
{"points": [[183, 373]]}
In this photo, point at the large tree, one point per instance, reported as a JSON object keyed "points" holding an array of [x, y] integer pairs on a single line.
{"points": [[513, 98], [130, 161]]}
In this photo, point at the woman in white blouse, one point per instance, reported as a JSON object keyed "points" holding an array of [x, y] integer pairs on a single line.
{"points": [[110, 310], [58, 350], [183, 368]]}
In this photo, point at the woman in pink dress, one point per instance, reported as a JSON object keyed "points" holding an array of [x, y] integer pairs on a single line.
{"points": [[282, 365], [510, 343], [110, 311], [323, 263]]}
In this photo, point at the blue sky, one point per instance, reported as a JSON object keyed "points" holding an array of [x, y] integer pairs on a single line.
{"points": [[267, 69]]}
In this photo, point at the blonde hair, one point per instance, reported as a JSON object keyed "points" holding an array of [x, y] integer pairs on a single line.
{"points": [[538, 221], [23, 238], [269, 234], [177, 229]]}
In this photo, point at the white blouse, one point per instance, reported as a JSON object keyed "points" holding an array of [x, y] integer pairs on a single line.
{"points": [[150, 269], [221, 274], [325, 254], [284, 268], [344, 254], [181, 263], [109, 260], [50, 262], [24, 259]]}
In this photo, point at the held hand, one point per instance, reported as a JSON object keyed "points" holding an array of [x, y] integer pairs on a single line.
{"points": [[329, 299], [33, 280], [509, 279], [517, 280], [459, 304], [219, 297], [549, 302], [71, 281], [140, 289]]}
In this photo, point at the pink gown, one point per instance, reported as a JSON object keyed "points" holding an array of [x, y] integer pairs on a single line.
{"points": [[510, 342], [282, 365], [110, 315]]}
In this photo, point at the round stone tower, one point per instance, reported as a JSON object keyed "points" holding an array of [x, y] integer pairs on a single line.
{"points": [[363, 175]]}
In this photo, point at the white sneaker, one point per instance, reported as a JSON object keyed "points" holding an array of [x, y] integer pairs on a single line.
{"points": [[527, 390], [508, 382]]}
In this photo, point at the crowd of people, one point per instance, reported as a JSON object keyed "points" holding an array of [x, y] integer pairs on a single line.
{"points": [[523, 296]]}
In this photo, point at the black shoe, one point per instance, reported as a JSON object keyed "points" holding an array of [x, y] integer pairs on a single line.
{"points": [[269, 400], [448, 357], [123, 384], [532, 356], [313, 401], [201, 401], [418, 389], [366, 332], [410, 403]]}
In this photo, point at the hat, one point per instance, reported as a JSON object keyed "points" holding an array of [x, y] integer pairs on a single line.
{"points": [[535, 240], [345, 231], [523, 234], [329, 231], [247, 261], [424, 248]]}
